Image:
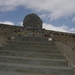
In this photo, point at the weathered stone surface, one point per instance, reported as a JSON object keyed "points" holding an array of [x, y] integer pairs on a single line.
{"points": [[7, 31], [40, 53], [32, 20]]}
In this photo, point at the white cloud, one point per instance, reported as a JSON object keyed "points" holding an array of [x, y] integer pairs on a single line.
{"points": [[7, 22], [43, 16], [73, 20], [54, 8], [66, 18], [20, 23], [62, 28], [72, 30]]}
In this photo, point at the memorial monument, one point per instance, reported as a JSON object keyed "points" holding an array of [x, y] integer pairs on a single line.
{"points": [[32, 20]]}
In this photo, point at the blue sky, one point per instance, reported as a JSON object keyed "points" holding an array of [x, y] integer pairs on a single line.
{"points": [[57, 15]]}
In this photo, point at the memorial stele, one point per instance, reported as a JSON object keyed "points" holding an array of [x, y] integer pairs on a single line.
{"points": [[32, 20]]}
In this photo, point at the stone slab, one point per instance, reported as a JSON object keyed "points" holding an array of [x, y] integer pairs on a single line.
{"points": [[48, 70], [33, 61]]}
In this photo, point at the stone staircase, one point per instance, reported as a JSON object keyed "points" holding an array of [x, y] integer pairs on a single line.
{"points": [[32, 56]]}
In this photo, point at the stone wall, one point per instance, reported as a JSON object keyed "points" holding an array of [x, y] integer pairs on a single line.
{"points": [[5, 32], [67, 38], [62, 36]]}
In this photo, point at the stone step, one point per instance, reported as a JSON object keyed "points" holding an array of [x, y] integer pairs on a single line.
{"points": [[25, 46], [33, 61], [31, 43], [34, 69], [32, 54], [23, 38], [30, 48], [16, 73], [55, 51]]}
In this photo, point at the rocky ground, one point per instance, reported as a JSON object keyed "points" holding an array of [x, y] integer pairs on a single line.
{"points": [[3, 40], [68, 50]]}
